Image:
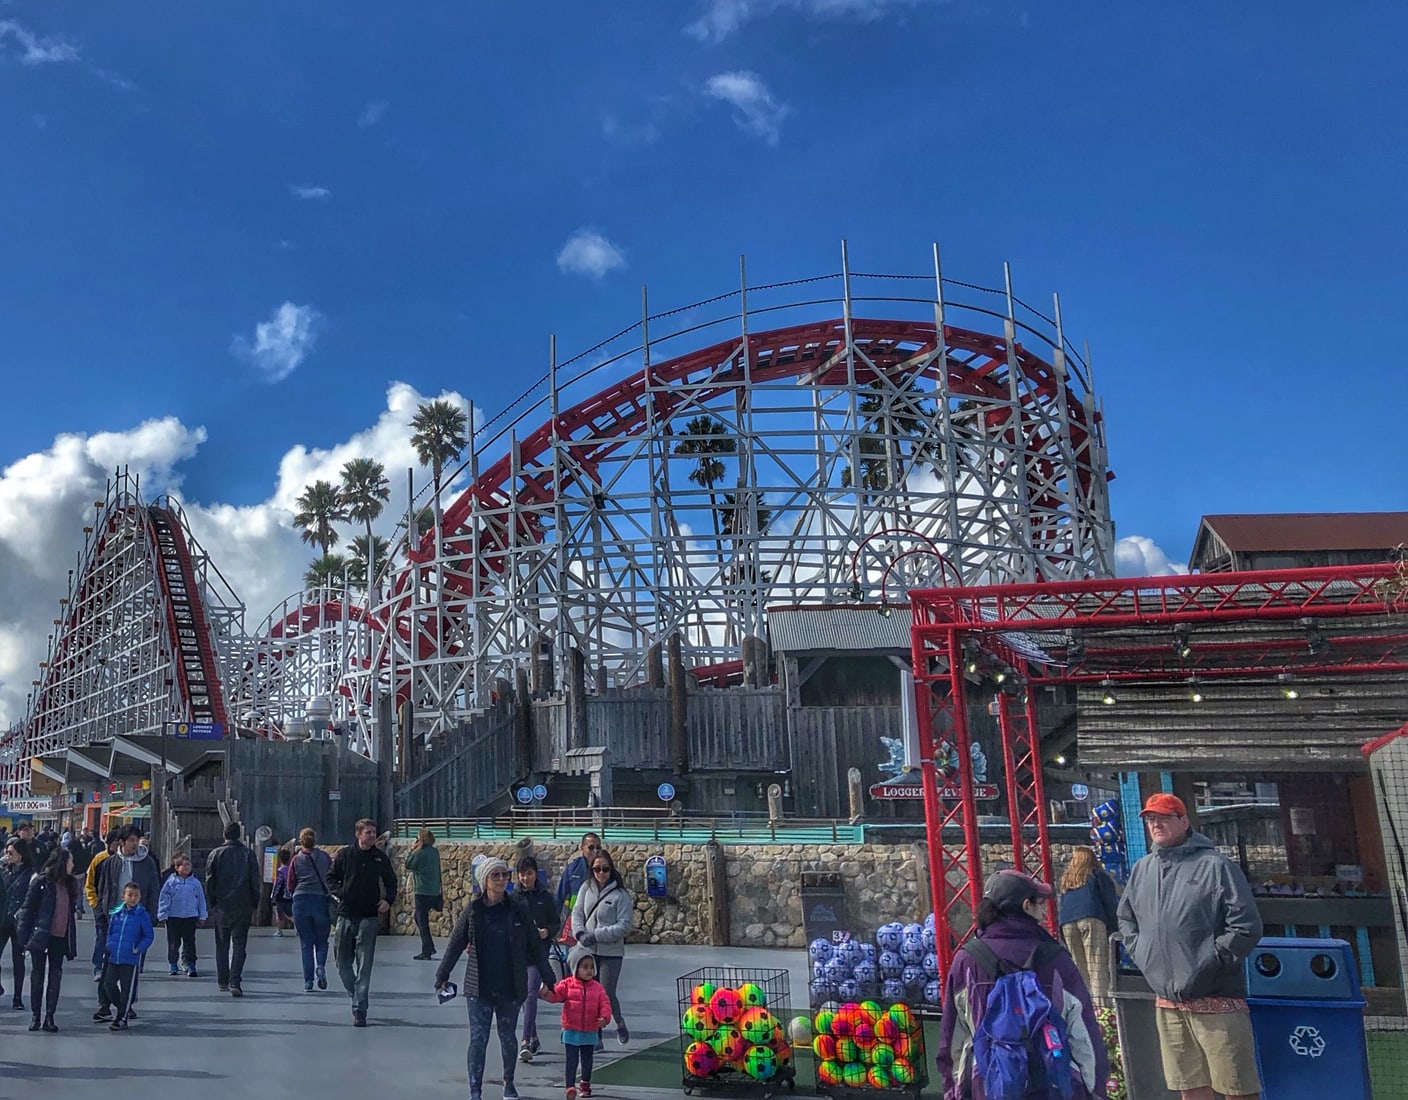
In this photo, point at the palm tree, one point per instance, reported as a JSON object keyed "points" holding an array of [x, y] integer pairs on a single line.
{"points": [[358, 560], [325, 572], [364, 493], [893, 409], [439, 436], [708, 439], [319, 508]]}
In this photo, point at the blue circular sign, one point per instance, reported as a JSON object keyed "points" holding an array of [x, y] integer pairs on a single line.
{"points": [[1080, 792], [666, 791], [525, 795], [540, 792]]}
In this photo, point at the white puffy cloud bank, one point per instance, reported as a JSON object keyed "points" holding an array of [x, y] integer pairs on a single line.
{"points": [[1139, 556], [46, 498]]}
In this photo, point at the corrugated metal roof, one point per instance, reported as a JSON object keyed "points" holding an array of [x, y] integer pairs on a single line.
{"points": [[1310, 530], [817, 629]]}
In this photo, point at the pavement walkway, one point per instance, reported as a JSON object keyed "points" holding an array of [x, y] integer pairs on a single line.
{"points": [[191, 1041]]}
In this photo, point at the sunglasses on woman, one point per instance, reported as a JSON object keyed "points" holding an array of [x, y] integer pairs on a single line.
{"points": [[602, 869]]}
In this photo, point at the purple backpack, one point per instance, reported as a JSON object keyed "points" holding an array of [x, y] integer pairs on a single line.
{"points": [[1020, 1048]]}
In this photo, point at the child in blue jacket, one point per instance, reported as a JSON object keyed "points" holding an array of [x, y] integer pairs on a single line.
{"points": [[181, 904], [130, 933]]}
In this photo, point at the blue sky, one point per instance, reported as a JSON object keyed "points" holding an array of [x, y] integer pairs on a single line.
{"points": [[1217, 192]]}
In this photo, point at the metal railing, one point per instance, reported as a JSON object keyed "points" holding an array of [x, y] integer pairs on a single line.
{"points": [[625, 825]]}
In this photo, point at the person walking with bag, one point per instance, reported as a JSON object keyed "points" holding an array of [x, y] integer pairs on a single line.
{"points": [[49, 929], [312, 907], [1088, 914], [496, 932], [365, 883], [232, 879], [989, 974], [601, 918], [423, 862]]}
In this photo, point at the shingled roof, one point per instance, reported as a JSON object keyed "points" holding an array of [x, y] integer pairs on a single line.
{"points": [[1304, 531]]}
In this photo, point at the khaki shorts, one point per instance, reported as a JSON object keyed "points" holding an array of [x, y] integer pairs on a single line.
{"points": [[1208, 1049]]}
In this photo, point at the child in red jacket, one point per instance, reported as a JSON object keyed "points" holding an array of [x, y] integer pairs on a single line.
{"points": [[585, 1010]]}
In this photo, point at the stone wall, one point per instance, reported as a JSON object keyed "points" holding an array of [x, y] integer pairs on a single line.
{"points": [[882, 883]]}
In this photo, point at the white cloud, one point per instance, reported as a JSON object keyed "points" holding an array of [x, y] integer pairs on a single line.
{"points": [[308, 191], [37, 50], [587, 252], [46, 498], [1140, 556], [722, 18], [282, 342], [372, 113], [756, 111]]}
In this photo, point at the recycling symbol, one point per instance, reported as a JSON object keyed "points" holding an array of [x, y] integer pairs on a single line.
{"points": [[1307, 1042]]}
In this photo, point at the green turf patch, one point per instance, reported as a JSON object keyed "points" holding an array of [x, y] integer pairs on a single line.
{"points": [[1388, 1064]]}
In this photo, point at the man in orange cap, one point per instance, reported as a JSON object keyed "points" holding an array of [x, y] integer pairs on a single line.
{"points": [[1189, 921]]}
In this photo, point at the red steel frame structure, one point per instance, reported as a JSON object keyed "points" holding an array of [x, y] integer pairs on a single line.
{"points": [[1000, 626]]}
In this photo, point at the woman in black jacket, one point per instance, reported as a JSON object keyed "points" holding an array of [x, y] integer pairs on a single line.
{"points": [[547, 915], [49, 929], [15, 872], [497, 931]]}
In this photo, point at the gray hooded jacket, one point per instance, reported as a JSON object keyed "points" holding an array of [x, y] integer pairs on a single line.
{"points": [[1189, 921]]}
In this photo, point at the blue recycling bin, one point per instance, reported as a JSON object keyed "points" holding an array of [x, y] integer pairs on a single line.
{"points": [[1308, 1018]]}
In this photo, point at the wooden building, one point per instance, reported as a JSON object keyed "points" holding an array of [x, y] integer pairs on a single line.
{"points": [[1294, 540]]}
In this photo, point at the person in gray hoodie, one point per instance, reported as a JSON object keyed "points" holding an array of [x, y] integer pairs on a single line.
{"points": [[1189, 921], [601, 918]]}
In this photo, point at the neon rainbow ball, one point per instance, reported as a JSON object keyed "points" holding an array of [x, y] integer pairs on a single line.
{"points": [[882, 1054], [878, 1077], [902, 1016], [842, 1024], [828, 1073], [864, 1034], [760, 1063], [726, 1005], [700, 1059], [902, 1072], [757, 1025], [702, 994], [698, 1022], [825, 1021], [729, 1044], [752, 995], [853, 1074], [847, 1051], [872, 1009]]}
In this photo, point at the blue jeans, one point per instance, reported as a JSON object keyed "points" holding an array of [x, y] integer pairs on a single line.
{"points": [[480, 1014], [356, 951], [100, 939], [530, 1003], [313, 923]]}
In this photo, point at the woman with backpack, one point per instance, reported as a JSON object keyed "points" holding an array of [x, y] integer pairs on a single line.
{"points": [[1014, 970], [1087, 914]]}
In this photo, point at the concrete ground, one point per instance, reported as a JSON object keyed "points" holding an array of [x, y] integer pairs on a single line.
{"points": [[191, 1042]]}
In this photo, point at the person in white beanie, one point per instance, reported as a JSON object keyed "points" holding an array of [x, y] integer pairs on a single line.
{"points": [[497, 934]]}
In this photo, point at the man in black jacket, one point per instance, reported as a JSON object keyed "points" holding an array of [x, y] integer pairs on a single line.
{"points": [[498, 932], [365, 883], [232, 878]]}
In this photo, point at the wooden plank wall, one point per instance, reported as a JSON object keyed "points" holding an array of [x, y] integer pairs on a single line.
{"points": [[826, 742], [285, 784], [477, 773]]}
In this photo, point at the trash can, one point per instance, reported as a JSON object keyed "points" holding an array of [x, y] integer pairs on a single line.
{"points": [[1308, 1017], [824, 906], [1138, 1028]]}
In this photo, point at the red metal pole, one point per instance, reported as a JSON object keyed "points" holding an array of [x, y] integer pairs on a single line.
{"points": [[1043, 831], [1011, 757]]}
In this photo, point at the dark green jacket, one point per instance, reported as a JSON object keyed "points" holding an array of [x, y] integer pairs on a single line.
{"points": [[424, 865]]}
